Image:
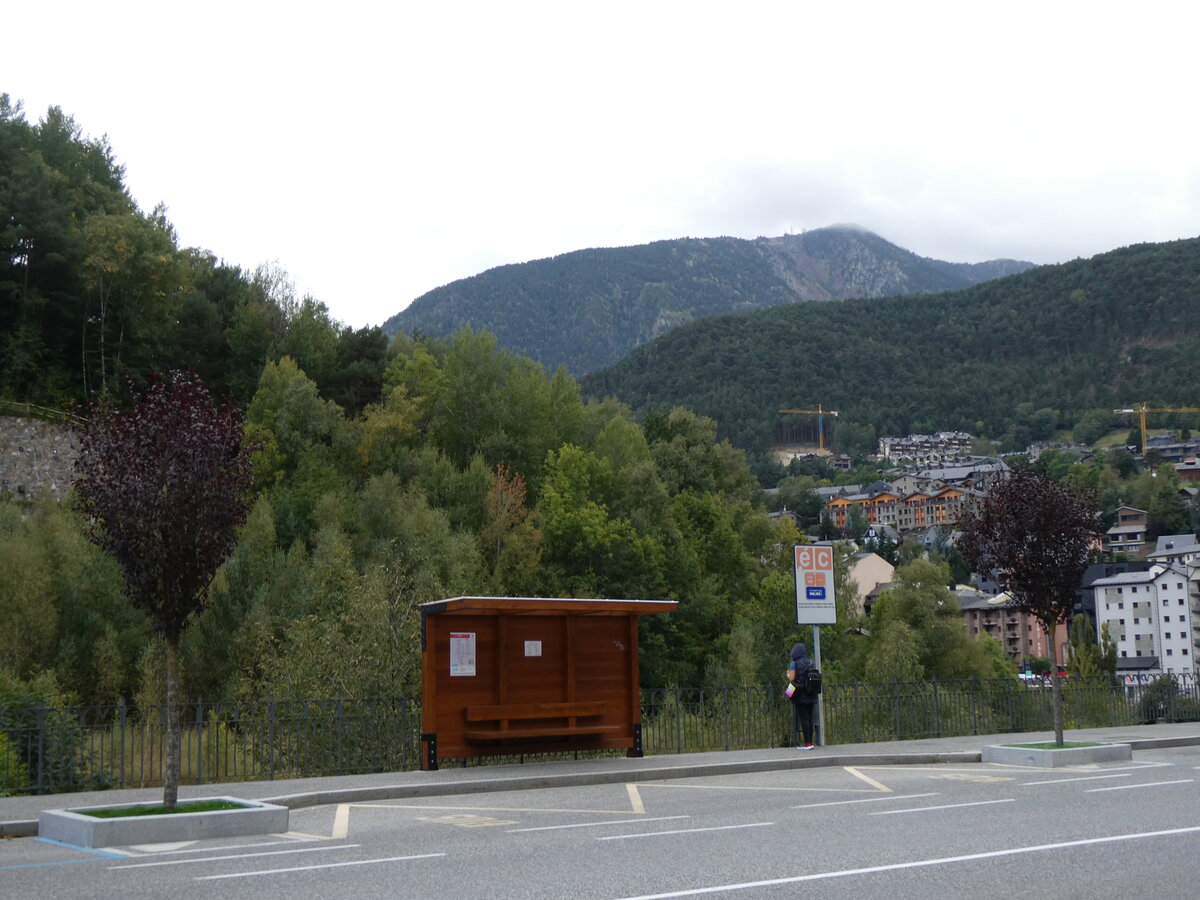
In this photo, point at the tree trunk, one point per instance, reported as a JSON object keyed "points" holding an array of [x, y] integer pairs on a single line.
{"points": [[1056, 697], [174, 727]]}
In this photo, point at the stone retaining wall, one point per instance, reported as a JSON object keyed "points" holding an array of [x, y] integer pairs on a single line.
{"points": [[36, 458]]}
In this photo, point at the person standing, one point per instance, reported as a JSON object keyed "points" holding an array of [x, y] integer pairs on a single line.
{"points": [[802, 701]]}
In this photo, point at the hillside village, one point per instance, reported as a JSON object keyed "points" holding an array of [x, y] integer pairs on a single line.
{"points": [[1146, 592]]}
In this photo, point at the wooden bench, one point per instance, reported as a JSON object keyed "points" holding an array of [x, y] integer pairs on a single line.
{"points": [[535, 720]]}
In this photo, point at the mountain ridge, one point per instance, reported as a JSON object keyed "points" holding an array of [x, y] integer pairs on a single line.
{"points": [[587, 309]]}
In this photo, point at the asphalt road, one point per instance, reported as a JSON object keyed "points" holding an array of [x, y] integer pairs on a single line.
{"points": [[929, 831]]}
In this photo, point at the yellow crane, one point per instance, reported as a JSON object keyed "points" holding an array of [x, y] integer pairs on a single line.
{"points": [[820, 412], [1142, 408]]}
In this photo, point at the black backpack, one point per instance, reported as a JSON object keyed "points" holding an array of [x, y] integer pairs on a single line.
{"points": [[810, 681]]}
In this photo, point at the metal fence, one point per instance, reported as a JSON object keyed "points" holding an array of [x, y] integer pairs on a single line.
{"points": [[44, 749]]}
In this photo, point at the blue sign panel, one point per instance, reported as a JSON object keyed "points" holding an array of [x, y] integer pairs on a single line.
{"points": [[814, 593]]}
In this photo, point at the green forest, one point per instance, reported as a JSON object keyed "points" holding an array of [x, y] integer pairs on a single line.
{"points": [[393, 473], [1031, 357]]}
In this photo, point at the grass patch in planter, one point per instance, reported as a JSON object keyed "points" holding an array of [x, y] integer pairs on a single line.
{"points": [[192, 806]]}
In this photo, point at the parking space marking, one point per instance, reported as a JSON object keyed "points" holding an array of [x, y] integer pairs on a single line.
{"points": [[355, 862], [199, 859], [896, 812], [468, 821], [341, 818], [1131, 787], [857, 773], [646, 834], [341, 822], [875, 786], [504, 809], [866, 800], [635, 799], [254, 845], [594, 824], [1072, 780]]}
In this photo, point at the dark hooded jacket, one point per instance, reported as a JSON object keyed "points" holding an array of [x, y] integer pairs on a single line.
{"points": [[801, 663]]}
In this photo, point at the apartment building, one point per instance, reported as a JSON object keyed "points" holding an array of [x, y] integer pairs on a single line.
{"points": [[1150, 619], [1128, 534]]}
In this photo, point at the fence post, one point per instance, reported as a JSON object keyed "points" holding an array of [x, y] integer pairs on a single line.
{"points": [[896, 709], [974, 707], [858, 729], [726, 690], [271, 739], [678, 721], [121, 778], [404, 734], [937, 711], [41, 742], [338, 716], [199, 741]]}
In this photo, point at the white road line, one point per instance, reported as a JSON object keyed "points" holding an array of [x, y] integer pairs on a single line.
{"points": [[200, 859], [1069, 780], [1130, 787], [357, 862], [866, 800], [592, 824], [894, 812], [158, 854], [917, 864], [622, 837]]}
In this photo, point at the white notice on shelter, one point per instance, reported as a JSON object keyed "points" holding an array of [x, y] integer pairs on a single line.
{"points": [[814, 586], [462, 653]]}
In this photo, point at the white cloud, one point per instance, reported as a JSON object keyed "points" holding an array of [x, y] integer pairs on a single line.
{"points": [[378, 152]]}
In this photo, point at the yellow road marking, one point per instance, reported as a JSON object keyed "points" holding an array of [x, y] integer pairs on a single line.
{"points": [[510, 809], [341, 822], [635, 799], [871, 781], [732, 787]]}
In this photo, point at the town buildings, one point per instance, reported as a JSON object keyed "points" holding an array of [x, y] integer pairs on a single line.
{"points": [[915, 500], [1150, 618]]}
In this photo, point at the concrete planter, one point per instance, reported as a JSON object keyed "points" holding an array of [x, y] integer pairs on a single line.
{"points": [[71, 826], [1048, 759]]}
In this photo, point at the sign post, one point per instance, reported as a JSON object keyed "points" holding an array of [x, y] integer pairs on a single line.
{"points": [[815, 604]]}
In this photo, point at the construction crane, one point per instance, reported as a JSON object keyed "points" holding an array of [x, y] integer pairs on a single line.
{"points": [[820, 412], [1141, 409]]}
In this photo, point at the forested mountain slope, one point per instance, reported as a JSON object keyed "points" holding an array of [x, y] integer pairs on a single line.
{"points": [[587, 309], [1094, 334]]}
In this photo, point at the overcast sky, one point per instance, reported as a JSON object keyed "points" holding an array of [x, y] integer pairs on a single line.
{"points": [[377, 151]]}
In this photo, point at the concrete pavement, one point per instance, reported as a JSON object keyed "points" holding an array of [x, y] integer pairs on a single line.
{"points": [[19, 815]]}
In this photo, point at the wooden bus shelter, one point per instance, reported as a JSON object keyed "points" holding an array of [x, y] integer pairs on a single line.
{"points": [[507, 675]]}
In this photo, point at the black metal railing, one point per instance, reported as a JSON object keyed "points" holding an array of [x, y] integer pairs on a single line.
{"points": [[45, 749]]}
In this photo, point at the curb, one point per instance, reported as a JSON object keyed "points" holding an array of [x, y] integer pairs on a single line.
{"points": [[660, 773]]}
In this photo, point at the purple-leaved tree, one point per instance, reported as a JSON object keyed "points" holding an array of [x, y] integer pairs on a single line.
{"points": [[164, 486], [1036, 536]]}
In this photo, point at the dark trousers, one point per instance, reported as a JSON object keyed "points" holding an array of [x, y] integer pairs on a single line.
{"points": [[802, 720]]}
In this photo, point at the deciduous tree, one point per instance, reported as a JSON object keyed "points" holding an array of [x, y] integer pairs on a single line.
{"points": [[164, 487], [1036, 537]]}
